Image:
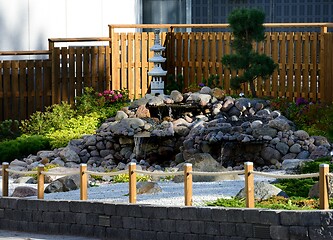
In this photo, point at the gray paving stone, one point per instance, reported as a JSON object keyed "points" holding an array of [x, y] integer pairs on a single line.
{"points": [[212, 228]]}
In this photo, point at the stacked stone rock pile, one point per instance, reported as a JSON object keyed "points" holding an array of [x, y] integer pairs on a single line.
{"points": [[231, 130]]}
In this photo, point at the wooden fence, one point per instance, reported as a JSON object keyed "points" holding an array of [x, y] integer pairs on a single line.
{"points": [[324, 178], [305, 61]]}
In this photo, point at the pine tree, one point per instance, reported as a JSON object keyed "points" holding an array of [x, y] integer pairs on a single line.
{"points": [[247, 27]]}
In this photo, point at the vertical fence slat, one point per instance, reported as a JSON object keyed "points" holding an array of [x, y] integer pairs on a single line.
{"points": [[15, 90], [219, 69], [199, 54], [101, 69], [56, 81], [212, 54], [290, 66], [313, 66], [31, 87], [192, 63], [144, 67], [259, 80], [275, 57], [267, 51], [130, 65], [151, 39], [47, 80], [282, 65], [326, 68], [227, 42], [137, 65], [185, 62], [123, 62], [23, 89], [7, 89], [79, 69], [72, 79], [94, 67], [297, 65], [87, 67], [205, 59], [39, 85], [64, 74], [305, 66], [179, 55], [108, 67]]}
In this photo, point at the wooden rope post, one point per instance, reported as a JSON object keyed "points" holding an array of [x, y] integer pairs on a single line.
{"points": [[188, 191], [5, 175], [132, 182], [323, 186], [249, 184], [83, 182], [40, 181]]}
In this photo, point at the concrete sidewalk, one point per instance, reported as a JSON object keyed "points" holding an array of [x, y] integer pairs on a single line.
{"points": [[11, 235]]}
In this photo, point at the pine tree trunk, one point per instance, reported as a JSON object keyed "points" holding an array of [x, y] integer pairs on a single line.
{"points": [[253, 90]]}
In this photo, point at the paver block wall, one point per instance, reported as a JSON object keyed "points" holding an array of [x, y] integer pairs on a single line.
{"points": [[131, 221]]}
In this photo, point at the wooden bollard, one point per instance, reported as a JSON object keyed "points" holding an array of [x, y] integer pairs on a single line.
{"points": [[83, 182], [5, 175], [323, 186], [188, 184], [249, 184], [132, 182], [40, 181]]}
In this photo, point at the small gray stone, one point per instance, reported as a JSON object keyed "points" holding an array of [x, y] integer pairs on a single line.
{"points": [[296, 148], [282, 148]]}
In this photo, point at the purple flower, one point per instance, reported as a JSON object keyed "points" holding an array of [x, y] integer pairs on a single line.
{"points": [[201, 84], [300, 101]]}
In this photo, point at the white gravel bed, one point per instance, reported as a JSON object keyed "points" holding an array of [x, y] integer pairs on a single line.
{"points": [[172, 193]]}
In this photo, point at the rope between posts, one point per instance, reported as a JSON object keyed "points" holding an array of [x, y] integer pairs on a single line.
{"points": [[59, 174], [329, 174], [21, 172], [160, 174], [217, 173], [107, 173], [296, 176]]}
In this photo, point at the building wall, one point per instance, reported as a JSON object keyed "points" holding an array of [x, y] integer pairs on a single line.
{"points": [[284, 11], [27, 25]]}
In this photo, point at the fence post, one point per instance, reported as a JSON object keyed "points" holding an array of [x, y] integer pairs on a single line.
{"points": [[132, 182], [323, 186], [5, 175], [249, 184], [188, 184], [40, 183], [83, 181]]}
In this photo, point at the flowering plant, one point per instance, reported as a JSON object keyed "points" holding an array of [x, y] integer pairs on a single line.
{"points": [[111, 96]]}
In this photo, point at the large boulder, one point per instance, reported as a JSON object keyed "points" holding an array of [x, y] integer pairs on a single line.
{"points": [[147, 188], [204, 162], [263, 191], [64, 184], [24, 191]]}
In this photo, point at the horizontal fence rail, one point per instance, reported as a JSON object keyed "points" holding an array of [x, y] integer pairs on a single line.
{"points": [[248, 172], [305, 64]]}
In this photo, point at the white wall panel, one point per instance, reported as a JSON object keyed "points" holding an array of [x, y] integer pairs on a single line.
{"points": [[27, 24]]}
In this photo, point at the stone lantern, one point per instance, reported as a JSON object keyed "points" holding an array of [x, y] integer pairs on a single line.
{"points": [[157, 84]]}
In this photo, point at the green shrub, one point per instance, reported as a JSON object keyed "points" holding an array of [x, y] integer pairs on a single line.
{"points": [[54, 118], [74, 128], [22, 147], [106, 104], [314, 118], [121, 178], [9, 129]]}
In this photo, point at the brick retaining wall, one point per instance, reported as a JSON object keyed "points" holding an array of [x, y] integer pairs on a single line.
{"points": [[129, 221]]}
